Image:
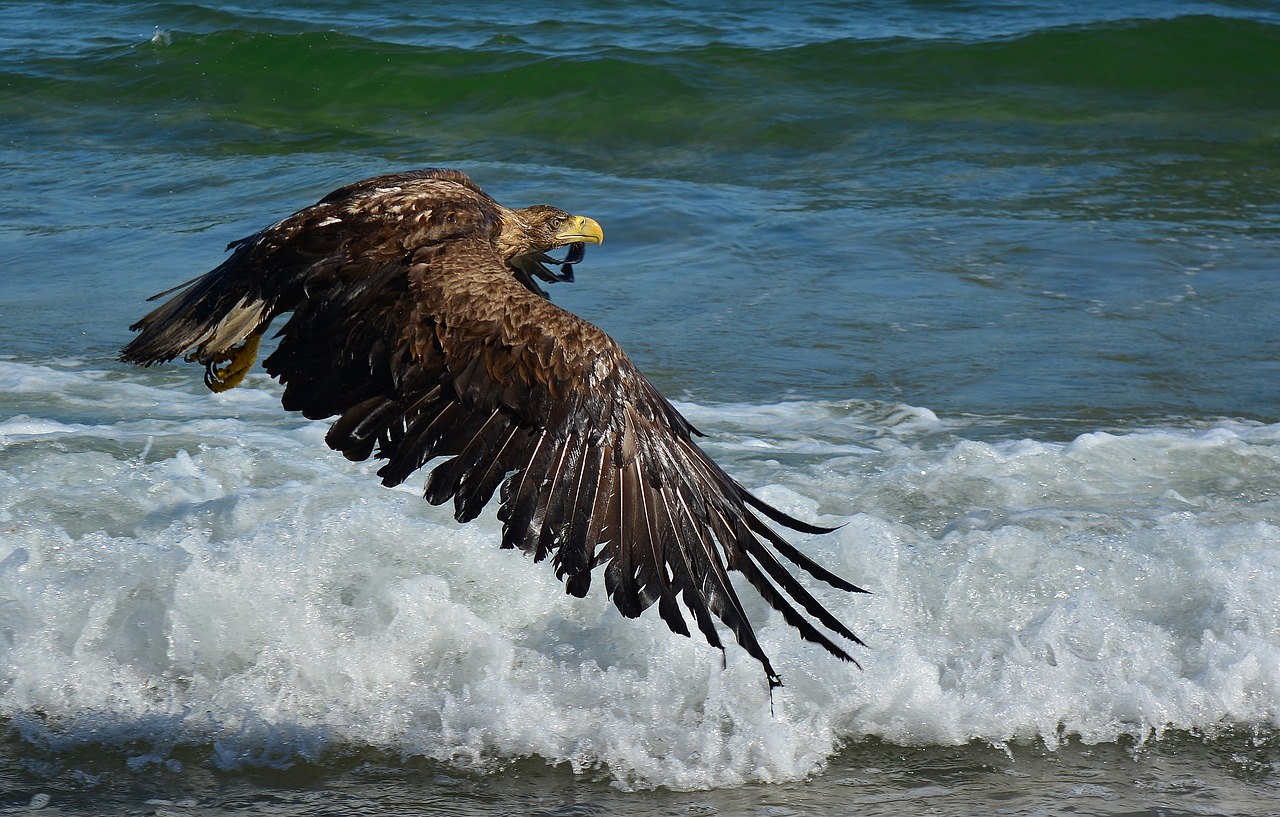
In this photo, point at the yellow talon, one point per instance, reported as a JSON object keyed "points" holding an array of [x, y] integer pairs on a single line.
{"points": [[239, 360]]}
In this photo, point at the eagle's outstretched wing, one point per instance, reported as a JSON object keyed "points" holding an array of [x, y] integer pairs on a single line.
{"points": [[270, 272], [448, 356]]}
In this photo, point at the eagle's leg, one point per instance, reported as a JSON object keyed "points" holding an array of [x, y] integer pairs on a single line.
{"points": [[239, 360]]}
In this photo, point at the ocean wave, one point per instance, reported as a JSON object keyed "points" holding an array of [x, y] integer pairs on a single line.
{"points": [[221, 588], [229, 83]]}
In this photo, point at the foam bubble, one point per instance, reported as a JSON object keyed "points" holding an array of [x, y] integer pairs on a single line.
{"points": [[215, 577]]}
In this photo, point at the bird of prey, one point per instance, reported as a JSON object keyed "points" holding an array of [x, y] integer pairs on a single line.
{"points": [[417, 322]]}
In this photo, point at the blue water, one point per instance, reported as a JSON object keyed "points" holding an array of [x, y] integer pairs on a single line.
{"points": [[991, 284]]}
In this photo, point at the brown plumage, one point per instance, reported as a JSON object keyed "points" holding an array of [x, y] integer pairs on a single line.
{"points": [[416, 320]]}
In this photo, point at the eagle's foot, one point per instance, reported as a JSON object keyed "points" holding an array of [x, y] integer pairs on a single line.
{"points": [[239, 360]]}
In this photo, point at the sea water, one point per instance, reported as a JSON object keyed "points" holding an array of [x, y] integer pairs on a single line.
{"points": [[209, 584], [991, 288]]}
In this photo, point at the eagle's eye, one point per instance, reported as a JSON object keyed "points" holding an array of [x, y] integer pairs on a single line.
{"points": [[554, 223]]}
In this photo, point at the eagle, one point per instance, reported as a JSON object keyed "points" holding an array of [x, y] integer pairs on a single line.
{"points": [[417, 320]]}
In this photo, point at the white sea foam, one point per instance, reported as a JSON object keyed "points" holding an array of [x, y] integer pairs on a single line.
{"points": [[180, 569]]}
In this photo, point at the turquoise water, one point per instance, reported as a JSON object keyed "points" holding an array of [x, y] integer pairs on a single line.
{"points": [[940, 206], [993, 284]]}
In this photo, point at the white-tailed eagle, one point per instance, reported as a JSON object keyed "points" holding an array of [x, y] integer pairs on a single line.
{"points": [[417, 322]]}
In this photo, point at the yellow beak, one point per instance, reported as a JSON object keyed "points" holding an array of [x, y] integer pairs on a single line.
{"points": [[581, 230]]}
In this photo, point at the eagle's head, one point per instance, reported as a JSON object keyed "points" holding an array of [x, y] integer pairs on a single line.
{"points": [[537, 230]]}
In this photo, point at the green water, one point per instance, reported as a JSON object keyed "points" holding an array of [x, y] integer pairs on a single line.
{"points": [[942, 220]]}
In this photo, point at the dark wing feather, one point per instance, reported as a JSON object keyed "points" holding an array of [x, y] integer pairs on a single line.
{"points": [[447, 356], [350, 231]]}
